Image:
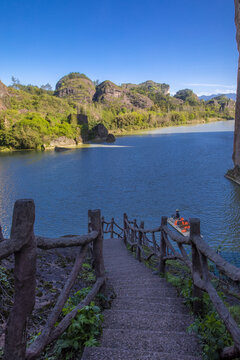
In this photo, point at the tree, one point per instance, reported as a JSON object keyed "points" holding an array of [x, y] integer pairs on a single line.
{"points": [[15, 82], [46, 87], [96, 82], [187, 95]]}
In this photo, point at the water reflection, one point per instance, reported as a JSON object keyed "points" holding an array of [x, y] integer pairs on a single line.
{"points": [[220, 126]]}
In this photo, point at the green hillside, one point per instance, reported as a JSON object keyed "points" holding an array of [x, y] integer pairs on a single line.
{"points": [[32, 117]]}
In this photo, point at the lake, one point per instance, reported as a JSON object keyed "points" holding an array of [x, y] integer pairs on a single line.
{"points": [[146, 176]]}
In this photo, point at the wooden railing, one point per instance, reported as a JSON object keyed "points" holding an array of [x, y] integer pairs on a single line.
{"points": [[23, 244], [108, 228], [171, 246]]}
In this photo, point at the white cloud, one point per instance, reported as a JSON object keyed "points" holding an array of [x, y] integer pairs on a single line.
{"points": [[233, 87], [216, 91]]}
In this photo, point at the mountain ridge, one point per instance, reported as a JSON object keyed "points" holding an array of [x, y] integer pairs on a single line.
{"points": [[209, 97]]}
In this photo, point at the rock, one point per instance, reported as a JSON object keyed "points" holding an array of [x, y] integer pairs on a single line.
{"points": [[3, 90], [149, 86], [110, 138], [109, 93], [230, 105], [61, 149], [62, 141], [3, 96], [99, 132], [139, 100], [76, 86], [212, 102], [234, 173]]}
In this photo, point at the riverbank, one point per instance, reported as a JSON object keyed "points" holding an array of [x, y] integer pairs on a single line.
{"points": [[130, 132], [117, 133]]}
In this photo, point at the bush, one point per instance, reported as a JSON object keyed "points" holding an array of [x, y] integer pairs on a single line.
{"points": [[84, 329]]}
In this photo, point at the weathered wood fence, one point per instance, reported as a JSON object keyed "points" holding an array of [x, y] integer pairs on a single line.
{"points": [[23, 244], [145, 242]]}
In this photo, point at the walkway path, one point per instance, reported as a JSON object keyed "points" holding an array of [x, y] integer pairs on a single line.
{"points": [[147, 320]]}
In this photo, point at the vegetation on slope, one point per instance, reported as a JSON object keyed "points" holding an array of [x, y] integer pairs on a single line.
{"points": [[31, 117]]}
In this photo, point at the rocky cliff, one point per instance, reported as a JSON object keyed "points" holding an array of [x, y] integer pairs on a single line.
{"points": [[109, 93], [3, 96], [81, 89], [149, 87], [76, 86]]}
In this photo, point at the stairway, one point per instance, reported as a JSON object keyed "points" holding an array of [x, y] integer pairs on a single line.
{"points": [[147, 319]]}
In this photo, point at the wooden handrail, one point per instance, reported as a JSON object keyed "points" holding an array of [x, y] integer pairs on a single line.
{"points": [[65, 241], [23, 243], [136, 237]]}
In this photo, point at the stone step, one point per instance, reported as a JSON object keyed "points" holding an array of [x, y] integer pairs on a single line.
{"points": [[169, 342], [168, 300], [140, 320], [103, 353], [146, 292], [130, 276], [120, 284], [159, 306], [128, 281]]}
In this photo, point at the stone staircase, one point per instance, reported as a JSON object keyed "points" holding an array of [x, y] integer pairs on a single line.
{"points": [[147, 319]]}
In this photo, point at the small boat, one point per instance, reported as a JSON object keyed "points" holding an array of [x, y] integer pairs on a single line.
{"points": [[180, 224]]}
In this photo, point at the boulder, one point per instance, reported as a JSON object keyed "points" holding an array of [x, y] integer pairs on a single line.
{"points": [[62, 141], [99, 132], [110, 138]]}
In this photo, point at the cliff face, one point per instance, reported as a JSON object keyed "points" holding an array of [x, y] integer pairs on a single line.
{"points": [[109, 93], [149, 87], [77, 87], [3, 96], [236, 145], [82, 90]]}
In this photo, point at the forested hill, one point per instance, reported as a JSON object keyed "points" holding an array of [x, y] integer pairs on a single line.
{"points": [[34, 117]]}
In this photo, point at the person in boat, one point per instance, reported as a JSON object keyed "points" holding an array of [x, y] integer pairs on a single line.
{"points": [[177, 214]]}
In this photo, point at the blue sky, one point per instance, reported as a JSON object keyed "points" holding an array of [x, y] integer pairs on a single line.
{"points": [[185, 43]]}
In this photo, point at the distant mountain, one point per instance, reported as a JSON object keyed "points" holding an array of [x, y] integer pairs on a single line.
{"points": [[209, 97]]}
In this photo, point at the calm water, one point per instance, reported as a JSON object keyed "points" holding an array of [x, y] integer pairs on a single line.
{"points": [[146, 176]]}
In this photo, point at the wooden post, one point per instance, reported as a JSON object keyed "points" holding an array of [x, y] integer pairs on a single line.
{"points": [[134, 231], [139, 243], [24, 280], [162, 247], [1, 234], [103, 225], [196, 265], [125, 228], [140, 233], [112, 225], [154, 242], [94, 221]]}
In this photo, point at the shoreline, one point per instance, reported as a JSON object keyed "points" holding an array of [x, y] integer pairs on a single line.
{"points": [[120, 133], [117, 133]]}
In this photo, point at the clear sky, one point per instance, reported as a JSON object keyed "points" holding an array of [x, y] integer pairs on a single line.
{"points": [[185, 43]]}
